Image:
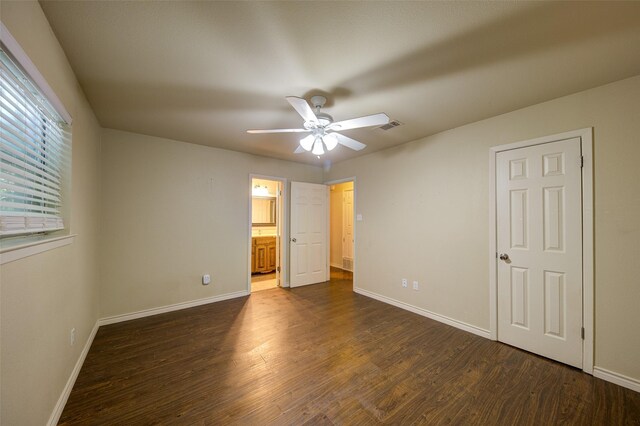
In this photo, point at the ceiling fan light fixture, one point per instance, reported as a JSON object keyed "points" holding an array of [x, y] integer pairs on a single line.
{"points": [[324, 132], [330, 141], [318, 149], [307, 142], [259, 190], [324, 119]]}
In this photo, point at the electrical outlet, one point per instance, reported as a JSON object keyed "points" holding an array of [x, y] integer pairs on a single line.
{"points": [[72, 337], [206, 279], [405, 283], [415, 285]]}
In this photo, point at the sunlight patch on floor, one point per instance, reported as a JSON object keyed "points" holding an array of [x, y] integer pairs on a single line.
{"points": [[263, 285]]}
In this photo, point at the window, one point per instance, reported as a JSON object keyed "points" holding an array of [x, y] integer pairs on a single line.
{"points": [[35, 143]]}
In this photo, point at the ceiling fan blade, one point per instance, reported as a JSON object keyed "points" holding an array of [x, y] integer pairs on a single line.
{"points": [[303, 108], [299, 150], [349, 143], [356, 123], [279, 131]]}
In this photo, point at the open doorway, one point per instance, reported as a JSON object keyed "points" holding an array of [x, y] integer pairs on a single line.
{"points": [[266, 233], [341, 230]]}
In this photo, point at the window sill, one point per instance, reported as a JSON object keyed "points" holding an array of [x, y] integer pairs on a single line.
{"points": [[26, 249]]}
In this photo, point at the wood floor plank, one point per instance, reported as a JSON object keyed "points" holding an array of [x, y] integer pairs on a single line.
{"points": [[324, 355]]}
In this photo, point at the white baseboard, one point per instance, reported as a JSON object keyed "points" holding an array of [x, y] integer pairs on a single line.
{"points": [[62, 401], [169, 308], [617, 378], [425, 313]]}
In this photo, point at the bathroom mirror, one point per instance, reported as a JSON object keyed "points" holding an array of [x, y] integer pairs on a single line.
{"points": [[263, 211]]}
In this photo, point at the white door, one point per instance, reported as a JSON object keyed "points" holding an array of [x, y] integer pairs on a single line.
{"points": [[308, 233], [540, 247], [347, 225]]}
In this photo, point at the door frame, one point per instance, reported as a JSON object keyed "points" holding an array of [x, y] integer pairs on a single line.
{"points": [[355, 239], [284, 226], [586, 144]]}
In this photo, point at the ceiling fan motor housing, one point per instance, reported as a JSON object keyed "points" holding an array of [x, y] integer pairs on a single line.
{"points": [[318, 101], [323, 121]]}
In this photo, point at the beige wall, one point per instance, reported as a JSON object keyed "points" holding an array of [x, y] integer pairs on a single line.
{"points": [[172, 212], [435, 193], [45, 295]]}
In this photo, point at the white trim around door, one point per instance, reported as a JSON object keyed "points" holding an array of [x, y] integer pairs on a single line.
{"points": [[586, 143]]}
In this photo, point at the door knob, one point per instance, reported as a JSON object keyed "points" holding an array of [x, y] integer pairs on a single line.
{"points": [[293, 240], [504, 256]]}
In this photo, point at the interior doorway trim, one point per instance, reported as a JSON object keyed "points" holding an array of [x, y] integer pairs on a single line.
{"points": [[586, 143], [284, 248], [355, 238]]}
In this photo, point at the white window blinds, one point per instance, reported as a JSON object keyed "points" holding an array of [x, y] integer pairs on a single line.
{"points": [[34, 154]]}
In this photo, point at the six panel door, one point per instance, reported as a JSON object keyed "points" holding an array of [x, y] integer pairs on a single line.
{"points": [[309, 231], [539, 240]]}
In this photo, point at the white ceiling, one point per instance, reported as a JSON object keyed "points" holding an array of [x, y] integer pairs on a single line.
{"points": [[204, 72]]}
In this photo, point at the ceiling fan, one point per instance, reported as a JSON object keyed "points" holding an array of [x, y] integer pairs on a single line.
{"points": [[323, 130]]}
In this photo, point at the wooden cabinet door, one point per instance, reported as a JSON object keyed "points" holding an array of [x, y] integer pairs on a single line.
{"points": [[253, 258], [261, 258], [272, 256]]}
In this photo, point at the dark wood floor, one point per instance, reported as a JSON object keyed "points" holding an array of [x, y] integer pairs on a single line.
{"points": [[322, 354]]}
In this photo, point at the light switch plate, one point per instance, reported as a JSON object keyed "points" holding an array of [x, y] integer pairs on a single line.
{"points": [[359, 217]]}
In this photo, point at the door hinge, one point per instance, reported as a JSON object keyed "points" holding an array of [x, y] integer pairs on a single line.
{"points": [[581, 161], [582, 333], [278, 268]]}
